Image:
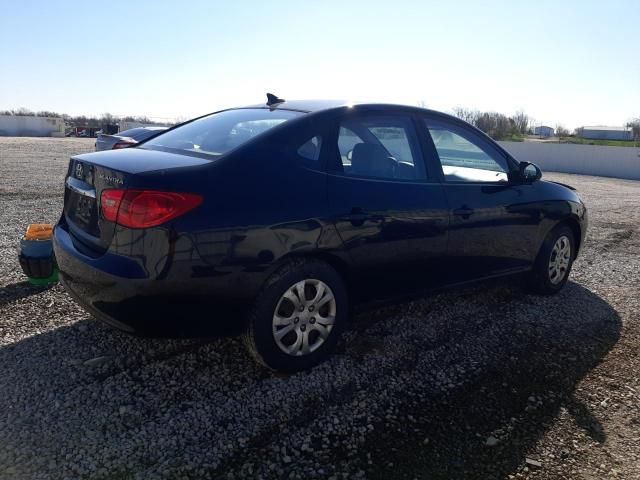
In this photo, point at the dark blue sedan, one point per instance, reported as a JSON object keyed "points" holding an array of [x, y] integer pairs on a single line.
{"points": [[274, 220]]}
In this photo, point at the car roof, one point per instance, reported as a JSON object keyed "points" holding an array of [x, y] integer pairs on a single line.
{"points": [[312, 106], [306, 106]]}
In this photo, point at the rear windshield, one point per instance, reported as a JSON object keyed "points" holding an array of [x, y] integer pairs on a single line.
{"points": [[145, 133], [138, 133], [221, 132]]}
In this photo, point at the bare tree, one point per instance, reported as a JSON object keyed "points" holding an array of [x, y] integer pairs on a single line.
{"points": [[47, 113], [140, 119], [561, 131], [496, 125], [634, 125], [521, 121], [466, 114], [108, 119], [23, 112]]}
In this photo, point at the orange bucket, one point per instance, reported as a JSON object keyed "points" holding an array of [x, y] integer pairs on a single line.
{"points": [[39, 231]]}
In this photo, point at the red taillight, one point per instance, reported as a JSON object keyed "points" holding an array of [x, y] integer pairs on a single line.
{"points": [[110, 203], [123, 144], [145, 208]]}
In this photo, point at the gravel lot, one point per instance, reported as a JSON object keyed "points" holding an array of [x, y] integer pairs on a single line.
{"points": [[483, 383]]}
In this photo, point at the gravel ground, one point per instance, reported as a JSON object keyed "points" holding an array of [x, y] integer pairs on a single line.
{"points": [[487, 382]]}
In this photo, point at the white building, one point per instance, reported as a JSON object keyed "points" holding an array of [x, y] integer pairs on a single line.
{"points": [[543, 131], [606, 133], [30, 126]]}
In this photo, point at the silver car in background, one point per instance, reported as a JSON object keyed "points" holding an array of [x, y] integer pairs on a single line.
{"points": [[126, 138]]}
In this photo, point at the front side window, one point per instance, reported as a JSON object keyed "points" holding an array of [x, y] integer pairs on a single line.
{"points": [[379, 147], [464, 158], [220, 132]]}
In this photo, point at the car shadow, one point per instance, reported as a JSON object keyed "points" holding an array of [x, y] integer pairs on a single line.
{"points": [[514, 361], [18, 290], [487, 427]]}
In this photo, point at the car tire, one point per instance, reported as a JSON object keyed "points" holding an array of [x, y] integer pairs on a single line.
{"points": [[554, 261], [288, 333]]}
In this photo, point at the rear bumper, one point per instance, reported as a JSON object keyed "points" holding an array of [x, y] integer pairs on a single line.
{"points": [[115, 290]]}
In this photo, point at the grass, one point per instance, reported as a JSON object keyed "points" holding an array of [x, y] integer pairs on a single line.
{"points": [[609, 143], [514, 137]]}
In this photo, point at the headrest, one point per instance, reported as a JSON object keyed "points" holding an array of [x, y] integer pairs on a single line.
{"points": [[372, 160]]}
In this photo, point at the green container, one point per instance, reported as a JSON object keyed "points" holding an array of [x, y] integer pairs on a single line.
{"points": [[53, 278]]}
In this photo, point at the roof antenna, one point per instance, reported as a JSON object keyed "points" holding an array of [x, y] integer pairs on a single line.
{"points": [[273, 100]]}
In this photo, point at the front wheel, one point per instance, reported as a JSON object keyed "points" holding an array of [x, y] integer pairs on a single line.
{"points": [[299, 316], [554, 262]]}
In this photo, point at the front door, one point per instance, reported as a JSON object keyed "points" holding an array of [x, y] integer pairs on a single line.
{"points": [[493, 227], [392, 219]]}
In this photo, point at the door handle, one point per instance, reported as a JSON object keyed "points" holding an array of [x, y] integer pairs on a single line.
{"points": [[357, 217], [464, 212]]}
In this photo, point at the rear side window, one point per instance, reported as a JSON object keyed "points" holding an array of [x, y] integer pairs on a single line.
{"points": [[218, 133], [310, 149]]}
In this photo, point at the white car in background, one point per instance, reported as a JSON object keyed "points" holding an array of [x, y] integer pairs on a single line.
{"points": [[126, 138]]}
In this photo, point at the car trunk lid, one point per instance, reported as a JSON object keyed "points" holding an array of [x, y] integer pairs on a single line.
{"points": [[106, 142], [90, 174]]}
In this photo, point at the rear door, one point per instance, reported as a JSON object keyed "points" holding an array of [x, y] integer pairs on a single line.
{"points": [[493, 224], [391, 215]]}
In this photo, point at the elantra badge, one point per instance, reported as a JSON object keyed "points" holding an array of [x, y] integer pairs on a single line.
{"points": [[110, 179]]}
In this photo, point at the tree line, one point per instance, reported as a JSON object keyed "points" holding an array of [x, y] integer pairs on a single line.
{"points": [[79, 120], [497, 125], [500, 127]]}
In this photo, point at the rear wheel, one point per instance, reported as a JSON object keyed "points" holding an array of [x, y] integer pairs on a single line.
{"points": [[555, 259], [299, 316]]}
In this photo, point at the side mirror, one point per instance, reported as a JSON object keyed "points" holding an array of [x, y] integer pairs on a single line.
{"points": [[529, 172]]}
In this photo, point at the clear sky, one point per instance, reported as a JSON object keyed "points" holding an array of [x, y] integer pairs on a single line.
{"points": [[568, 62]]}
